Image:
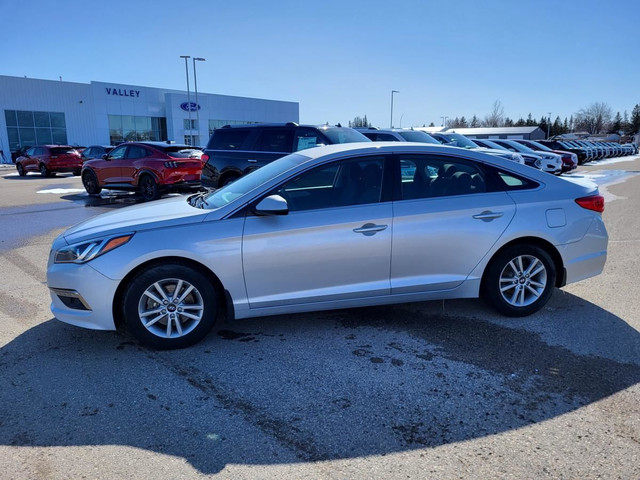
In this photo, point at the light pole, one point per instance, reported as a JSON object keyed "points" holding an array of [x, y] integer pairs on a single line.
{"points": [[444, 120], [549, 126], [392, 92], [195, 85], [186, 69]]}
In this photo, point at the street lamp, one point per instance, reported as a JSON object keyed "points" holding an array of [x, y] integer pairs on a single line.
{"points": [[195, 85], [186, 69], [444, 120], [549, 126], [392, 92]]}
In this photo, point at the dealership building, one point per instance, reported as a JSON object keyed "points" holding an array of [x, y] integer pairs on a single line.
{"points": [[40, 112]]}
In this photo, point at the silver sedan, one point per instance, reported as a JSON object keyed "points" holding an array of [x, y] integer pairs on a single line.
{"points": [[332, 227]]}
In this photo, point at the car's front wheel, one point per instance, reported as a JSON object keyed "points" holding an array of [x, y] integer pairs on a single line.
{"points": [[21, 171], [520, 280], [90, 183], [170, 306]]}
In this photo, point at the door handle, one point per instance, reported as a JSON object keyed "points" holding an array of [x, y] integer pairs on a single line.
{"points": [[369, 229], [487, 216], [252, 160]]}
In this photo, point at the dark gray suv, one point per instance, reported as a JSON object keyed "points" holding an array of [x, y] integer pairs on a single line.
{"points": [[235, 150]]}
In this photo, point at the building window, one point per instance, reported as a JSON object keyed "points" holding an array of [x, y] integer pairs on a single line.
{"points": [[190, 124], [213, 124], [26, 128], [191, 140], [131, 128]]}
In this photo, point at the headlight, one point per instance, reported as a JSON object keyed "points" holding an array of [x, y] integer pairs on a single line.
{"points": [[85, 251]]}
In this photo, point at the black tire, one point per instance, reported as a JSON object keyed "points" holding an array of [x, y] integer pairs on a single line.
{"points": [[139, 306], [226, 180], [90, 183], [525, 290], [148, 188], [44, 171], [21, 171]]}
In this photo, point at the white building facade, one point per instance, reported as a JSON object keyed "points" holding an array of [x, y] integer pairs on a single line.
{"points": [[40, 112]]}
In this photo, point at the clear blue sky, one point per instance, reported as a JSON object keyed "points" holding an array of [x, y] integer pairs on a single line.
{"points": [[340, 59]]}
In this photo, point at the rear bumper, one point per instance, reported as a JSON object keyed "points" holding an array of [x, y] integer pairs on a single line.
{"points": [[587, 257]]}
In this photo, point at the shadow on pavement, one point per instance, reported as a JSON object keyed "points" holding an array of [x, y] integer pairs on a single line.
{"points": [[303, 388]]}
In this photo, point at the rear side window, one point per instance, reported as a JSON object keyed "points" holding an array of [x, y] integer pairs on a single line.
{"points": [[275, 140], [228, 138], [385, 137], [511, 181], [136, 151], [63, 151]]}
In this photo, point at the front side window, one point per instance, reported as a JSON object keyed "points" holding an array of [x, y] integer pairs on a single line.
{"points": [[348, 182], [307, 138], [428, 176], [118, 153]]}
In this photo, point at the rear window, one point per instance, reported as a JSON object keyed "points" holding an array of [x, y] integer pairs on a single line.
{"points": [[228, 138], [63, 151], [417, 136], [183, 152]]}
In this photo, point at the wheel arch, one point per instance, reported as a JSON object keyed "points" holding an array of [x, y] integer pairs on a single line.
{"points": [[224, 297], [538, 242], [147, 171]]}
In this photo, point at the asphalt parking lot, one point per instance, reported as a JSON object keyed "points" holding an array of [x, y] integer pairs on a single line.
{"points": [[427, 390]]}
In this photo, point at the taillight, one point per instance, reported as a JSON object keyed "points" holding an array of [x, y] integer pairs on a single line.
{"points": [[53, 156], [204, 157], [171, 164], [594, 202]]}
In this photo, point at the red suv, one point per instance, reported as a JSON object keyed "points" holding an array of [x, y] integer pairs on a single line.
{"points": [[151, 168], [49, 160]]}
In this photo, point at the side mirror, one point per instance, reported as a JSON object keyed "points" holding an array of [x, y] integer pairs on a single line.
{"points": [[272, 205], [105, 157]]}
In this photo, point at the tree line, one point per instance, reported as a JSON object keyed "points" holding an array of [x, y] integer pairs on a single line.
{"points": [[596, 118]]}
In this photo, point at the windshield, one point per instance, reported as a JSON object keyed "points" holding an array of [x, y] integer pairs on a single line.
{"points": [[242, 186], [490, 144], [519, 147], [415, 136], [458, 140], [343, 135], [539, 146]]}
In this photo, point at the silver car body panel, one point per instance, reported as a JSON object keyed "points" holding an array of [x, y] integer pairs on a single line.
{"points": [[378, 252]]}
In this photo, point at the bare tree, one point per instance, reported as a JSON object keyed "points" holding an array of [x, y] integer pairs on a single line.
{"points": [[594, 119], [496, 117]]}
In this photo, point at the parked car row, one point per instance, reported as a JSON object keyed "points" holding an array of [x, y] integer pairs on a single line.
{"points": [[153, 168]]}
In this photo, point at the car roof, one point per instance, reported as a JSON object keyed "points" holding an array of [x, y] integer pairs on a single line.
{"points": [[286, 124]]}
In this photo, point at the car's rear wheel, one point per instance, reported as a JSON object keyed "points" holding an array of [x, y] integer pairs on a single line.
{"points": [[21, 171], [226, 180], [520, 280], [148, 188], [44, 171], [90, 182], [170, 306]]}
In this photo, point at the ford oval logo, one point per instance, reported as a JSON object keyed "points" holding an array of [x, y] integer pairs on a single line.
{"points": [[189, 106]]}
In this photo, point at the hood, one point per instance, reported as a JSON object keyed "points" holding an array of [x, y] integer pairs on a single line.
{"points": [[168, 212], [500, 153]]}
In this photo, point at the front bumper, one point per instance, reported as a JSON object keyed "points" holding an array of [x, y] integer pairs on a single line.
{"points": [[94, 293]]}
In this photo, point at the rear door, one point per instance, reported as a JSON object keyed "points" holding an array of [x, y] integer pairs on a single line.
{"points": [[271, 144], [133, 162], [445, 222]]}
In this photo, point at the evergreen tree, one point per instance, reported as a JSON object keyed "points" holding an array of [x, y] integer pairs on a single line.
{"points": [[463, 122], [556, 128], [475, 123], [635, 120], [544, 124], [626, 124], [530, 121], [616, 125], [520, 123], [431, 124], [565, 126], [508, 122]]}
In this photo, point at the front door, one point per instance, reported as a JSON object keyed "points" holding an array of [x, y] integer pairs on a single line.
{"points": [[334, 244], [110, 168]]}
